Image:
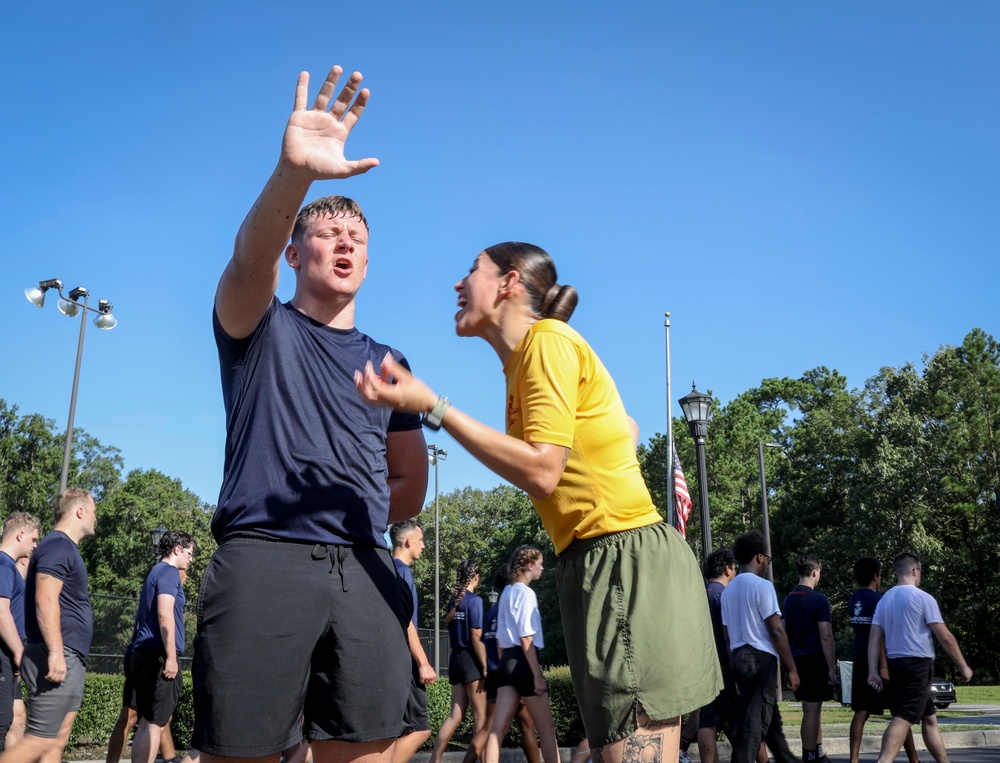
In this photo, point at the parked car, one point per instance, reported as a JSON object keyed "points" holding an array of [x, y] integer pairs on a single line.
{"points": [[942, 692]]}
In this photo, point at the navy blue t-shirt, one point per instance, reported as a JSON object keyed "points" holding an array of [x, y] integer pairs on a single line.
{"points": [[714, 591], [861, 608], [305, 455], [406, 575], [802, 609], [468, 615], [12, 587], [162, 579], [58, 556]]}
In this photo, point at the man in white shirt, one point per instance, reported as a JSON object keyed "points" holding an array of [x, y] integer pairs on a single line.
{"points": [[756, 637], [908, 619]]}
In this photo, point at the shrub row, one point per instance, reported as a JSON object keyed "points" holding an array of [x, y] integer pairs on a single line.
{"points": [[102, 701]]}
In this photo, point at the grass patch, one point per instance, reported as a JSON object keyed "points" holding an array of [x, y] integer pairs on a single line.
{"points": [[978, 695]]}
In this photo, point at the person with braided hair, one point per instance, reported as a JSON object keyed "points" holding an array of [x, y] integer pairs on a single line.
{"points": [[519, 637], [631, 596], [467, 662]]}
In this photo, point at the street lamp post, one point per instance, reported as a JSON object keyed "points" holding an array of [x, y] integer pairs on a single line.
{"points": [[763, 501], [70, 306], [697, 408], [155, 535], [437, 454]]}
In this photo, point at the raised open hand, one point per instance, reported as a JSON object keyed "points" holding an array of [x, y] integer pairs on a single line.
{"points": [[314, 138]]}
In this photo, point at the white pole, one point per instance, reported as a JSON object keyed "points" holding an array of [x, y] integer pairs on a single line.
{"points": [[671, 503]]}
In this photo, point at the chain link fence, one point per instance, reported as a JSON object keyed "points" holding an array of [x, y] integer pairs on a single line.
{"points": [[114, 620]]}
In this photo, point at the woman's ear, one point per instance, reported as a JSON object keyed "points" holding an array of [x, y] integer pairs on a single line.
{"points": [[509, 281]]}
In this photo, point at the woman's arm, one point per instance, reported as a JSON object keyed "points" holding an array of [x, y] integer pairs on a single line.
{"points": [[536, 468], [478, 646], [528, 645]]}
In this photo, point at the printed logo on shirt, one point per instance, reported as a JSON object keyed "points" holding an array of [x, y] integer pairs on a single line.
{"points": [[512, 413]]}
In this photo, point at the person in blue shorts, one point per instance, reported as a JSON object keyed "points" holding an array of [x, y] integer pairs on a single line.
{"points": [[158, 640], [59, 626], [301, 614], [20, 536]]}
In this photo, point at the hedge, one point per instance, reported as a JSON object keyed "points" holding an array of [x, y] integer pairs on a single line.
{"points": [[102, 701]]}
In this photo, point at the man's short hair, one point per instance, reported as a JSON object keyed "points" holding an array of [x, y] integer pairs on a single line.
{"points": [[399, 532], [20, 520], [865, 570], [904, 562], [716, 563], [67, 500], [333, 206], [748, 545], [806, 564], [173, 538]]}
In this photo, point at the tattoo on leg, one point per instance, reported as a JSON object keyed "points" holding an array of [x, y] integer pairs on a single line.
{"points": [[597, 754], [643, 748]]}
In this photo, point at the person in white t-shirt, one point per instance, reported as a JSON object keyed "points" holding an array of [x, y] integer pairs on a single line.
{"points": [[752, 622], [519, 637], [909, 619]]}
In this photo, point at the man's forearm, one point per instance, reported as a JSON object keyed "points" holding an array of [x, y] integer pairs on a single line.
{"points": [[11, 638], [49, 615], [416, 648], [950, 645], [268, 225]]}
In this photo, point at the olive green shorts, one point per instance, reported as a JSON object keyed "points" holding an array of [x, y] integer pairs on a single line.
{"points": [[635, 617]]}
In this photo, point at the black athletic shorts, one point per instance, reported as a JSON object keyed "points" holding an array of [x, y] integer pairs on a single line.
{"points": [[910, 688], [814, 679], [293, 629], [864, 699], [463, 667], [155, 695], [722, 710], [515, 671], [416, 717], [492, 683], [128, 688], [9, 689]]}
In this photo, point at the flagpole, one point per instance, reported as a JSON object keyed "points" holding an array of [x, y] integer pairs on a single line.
{"points": [[671, 502]]}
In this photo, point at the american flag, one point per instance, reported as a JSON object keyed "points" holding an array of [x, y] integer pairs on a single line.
{"points": [[682, 498]]}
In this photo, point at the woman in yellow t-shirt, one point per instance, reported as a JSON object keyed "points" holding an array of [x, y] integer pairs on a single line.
{"points": [[631, 596]]}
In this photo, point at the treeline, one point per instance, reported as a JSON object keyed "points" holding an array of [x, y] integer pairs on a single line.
{"points": [[128, 506], [909, 462]]}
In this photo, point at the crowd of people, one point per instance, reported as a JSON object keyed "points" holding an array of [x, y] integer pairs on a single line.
{"points": [[306, 622]]}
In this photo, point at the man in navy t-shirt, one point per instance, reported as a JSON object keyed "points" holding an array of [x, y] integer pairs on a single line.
{"points": [[157, 642], [719, 568], [301, 614], [810, 635], [408, 546], [59, 625], [20, 536]]}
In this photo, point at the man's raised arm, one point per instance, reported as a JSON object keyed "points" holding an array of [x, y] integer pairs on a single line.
{"points": [[312, 149]]}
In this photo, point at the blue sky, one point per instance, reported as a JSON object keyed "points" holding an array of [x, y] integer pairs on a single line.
{"points": [[798, 183]]}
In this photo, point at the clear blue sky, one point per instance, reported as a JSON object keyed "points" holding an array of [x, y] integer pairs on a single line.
{"points": [[798, 183]]}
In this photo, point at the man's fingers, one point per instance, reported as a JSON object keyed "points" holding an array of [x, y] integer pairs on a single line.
{"points": [[351, 117], [301, 92], [326, 91], [343, 101]]}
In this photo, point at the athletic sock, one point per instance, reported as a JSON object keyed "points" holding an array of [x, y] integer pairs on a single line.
{"points": [[820, 753], [809, 755]]}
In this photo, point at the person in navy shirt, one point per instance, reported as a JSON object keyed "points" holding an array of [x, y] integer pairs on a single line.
{"points": [[20, 536], [407, 546], [59, 626], [312, 477], [157, 640]]}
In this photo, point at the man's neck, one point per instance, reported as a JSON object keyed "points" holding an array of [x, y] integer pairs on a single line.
{"points": [[10, 549], [723, 580], [70, 529], [402, 556], [807, 582], [338, 315]]}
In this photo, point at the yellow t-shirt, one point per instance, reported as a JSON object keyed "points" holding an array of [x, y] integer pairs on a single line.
{"points": [[559, 392]]}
